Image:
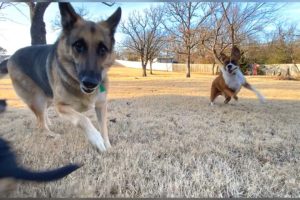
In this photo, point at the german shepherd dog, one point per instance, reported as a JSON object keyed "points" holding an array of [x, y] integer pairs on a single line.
{"points": [[10, 171], [231, 79], [70, 74]]}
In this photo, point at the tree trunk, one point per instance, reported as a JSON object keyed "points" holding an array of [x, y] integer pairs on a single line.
{"points": [[188, 67], [216, 58], [213, 68], [288, 74], [144, 65], [151, 67], [38, 27], [144, 70]]}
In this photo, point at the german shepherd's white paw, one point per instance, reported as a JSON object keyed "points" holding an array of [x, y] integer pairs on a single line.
{"points": [[107, 144], [262, 99], [96, 139]]}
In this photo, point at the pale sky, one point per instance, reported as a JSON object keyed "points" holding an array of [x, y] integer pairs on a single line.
{"points": [[15, 30]]}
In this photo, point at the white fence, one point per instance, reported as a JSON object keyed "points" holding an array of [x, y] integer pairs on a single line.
{"points": [[204, 68], [138, 65], [273, 69], [201, 68]]}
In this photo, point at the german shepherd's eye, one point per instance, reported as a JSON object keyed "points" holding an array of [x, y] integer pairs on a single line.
{"points": [[80, 46], [102, 49]]}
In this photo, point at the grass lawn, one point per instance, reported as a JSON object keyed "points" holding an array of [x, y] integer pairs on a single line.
{"points": [[167, 141]]}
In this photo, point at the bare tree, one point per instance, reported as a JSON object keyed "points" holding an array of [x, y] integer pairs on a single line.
{"points": [[2, 51], [4, 5], [38, 27], [184, 22], [110, 3], [247, 19], [156, 35], [233, 23], [126, 54], [288, 41], [144, 34], [154, 51], [215, 36], [37, 11], [286, 44], [81, 11]]}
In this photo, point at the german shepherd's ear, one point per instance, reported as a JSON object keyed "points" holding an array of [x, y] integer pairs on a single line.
{"points": [[235, 53], [223, 58], [68, 16], [114, 20]]}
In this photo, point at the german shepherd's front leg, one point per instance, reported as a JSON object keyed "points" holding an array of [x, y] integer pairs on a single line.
{"points": [[84, 123], [101, 111]]}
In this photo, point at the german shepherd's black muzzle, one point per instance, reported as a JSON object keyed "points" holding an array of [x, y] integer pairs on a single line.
{"points": [[89, 81]]}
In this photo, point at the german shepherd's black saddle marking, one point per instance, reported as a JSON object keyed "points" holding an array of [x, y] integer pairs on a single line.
{"points": [[10, 169]]}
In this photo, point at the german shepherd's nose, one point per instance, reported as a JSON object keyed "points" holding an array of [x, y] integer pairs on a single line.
{"points": [[89, 81]]}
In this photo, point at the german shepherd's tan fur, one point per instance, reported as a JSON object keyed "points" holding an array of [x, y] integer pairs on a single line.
{"points": [[68, 74]]}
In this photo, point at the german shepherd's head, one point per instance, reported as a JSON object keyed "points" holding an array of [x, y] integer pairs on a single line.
{"points": [[231, 63], [87, 46]]}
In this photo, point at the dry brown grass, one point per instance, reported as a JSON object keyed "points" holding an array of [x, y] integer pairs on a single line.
{"points": [[167, 141]]}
